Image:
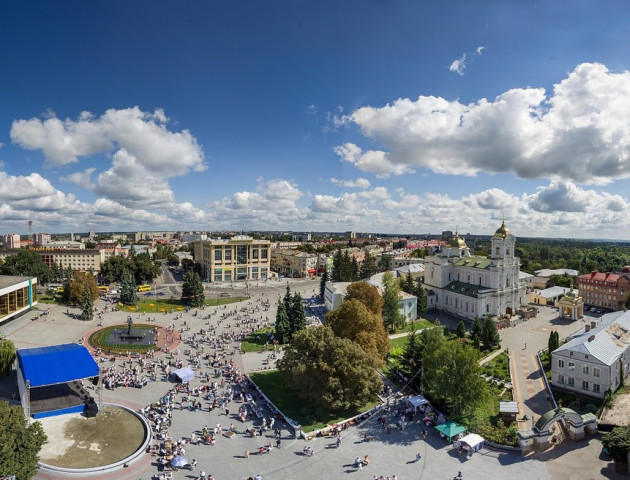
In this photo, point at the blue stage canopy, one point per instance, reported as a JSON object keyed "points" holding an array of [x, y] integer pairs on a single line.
{"points": [[56, 364]]}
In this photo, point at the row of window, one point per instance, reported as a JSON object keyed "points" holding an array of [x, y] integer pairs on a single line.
{"points": [[225, 253], [240, 273], [570, 381], [585, 368]]}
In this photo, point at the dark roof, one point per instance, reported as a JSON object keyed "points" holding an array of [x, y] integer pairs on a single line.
{"points": [[464, 288], [474, 262]]}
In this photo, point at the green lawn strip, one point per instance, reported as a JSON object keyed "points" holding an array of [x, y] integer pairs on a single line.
{"points": [[274, 385], [160, 305], [255, 341], [487, 422], [397, 344]]}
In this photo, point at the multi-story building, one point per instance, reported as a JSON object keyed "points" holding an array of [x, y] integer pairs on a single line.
{"points": [[41, 239], [470, 286], [594, 360], [109, 250], [294, 263], [235, 259], [17, 294], [605, 290], [11, 240], [80, 260], [65, 245], [85, 260]]}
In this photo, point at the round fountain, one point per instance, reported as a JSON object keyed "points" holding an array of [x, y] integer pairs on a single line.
{"points": [[122, 339]]}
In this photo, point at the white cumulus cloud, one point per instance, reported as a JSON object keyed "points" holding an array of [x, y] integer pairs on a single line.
{"points": [[580, 131], [358, 183]]}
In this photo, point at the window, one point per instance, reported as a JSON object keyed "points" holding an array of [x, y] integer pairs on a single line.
{"points": [[263, 253], [241, 254], [571, 366], [254, 254], [596, 387], [228, 254], [560, 378], [585, 370], [561, 363], [570, 381], [218, 275], [584, 385], [217, 255]]}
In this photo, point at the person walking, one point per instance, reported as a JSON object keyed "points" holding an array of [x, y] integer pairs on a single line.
{"points": [[418, 456]]}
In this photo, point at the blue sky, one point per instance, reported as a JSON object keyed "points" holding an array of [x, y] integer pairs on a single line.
{"points": [[373, 116]]}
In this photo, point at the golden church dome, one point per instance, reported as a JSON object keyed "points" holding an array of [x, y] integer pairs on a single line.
{"points": [[503, 231]]}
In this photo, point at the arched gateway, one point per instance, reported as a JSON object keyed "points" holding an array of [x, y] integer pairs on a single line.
{"points": [[539, 437]]}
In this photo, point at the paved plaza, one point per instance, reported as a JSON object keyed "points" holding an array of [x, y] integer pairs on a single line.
{"points": [[390, 454]]}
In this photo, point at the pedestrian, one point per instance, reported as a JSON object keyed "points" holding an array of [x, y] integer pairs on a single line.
{"points": [[525, 348], [277, 443], [418, 456], [246, 453]]}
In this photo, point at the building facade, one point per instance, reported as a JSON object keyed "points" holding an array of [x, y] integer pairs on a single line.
{"points": [[605, 290], [17, 295], [294, 263], [41, 239], [469, 286], [238, 258], [11, 240], [595, 358]]}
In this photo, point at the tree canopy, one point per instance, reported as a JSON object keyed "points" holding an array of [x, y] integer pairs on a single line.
{"points": [[7, 356], [143, 269], [353, 320], [392, 318], [617, 442], [192, 290], [75, 288], [20, 442], [87, 305], [128, 288], [367, 294], [25, 263], [328, 371]]}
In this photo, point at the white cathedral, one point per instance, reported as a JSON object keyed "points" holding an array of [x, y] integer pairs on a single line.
{"points": [[470, 286]]}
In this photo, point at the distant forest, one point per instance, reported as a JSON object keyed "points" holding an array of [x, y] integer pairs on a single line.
{"points": [[582, 255]]}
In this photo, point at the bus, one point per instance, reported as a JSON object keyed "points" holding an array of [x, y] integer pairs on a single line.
{"points": [[144, 288], [103, 289]]}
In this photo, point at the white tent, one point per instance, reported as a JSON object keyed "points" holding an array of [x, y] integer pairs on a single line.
{"points": [[474, 441], [418, 401], [185, 374]]}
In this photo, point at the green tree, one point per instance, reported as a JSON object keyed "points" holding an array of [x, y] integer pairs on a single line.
{"points": [[327, 371], [87, 305], [26, 264], [7, 357], [554, 341], [617, 442], [283, 327], [322, 283], [461, 329], [368, 267], [453, 377], [421, 296], [385, 263], [20, 442], [145, 270], [490, 335], [476, 332], [128, 288], [353, 320], [296, 313], [367, 294], [192, 290], [114, 268], [392, 318]]}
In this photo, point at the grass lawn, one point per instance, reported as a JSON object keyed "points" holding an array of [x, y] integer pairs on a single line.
{"points": [[253, 344], [418, 324], [46, 299], [161, 305], [284, 397], [498, 367]]}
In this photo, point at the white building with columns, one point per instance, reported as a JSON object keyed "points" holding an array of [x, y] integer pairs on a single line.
{"points": [[469, 286]]}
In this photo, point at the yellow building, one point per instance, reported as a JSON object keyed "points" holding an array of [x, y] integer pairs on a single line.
{"points": [[235, 259], [83, 260]]}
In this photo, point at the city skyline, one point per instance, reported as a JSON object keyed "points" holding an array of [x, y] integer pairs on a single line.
{"points": [[384, 117]]}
